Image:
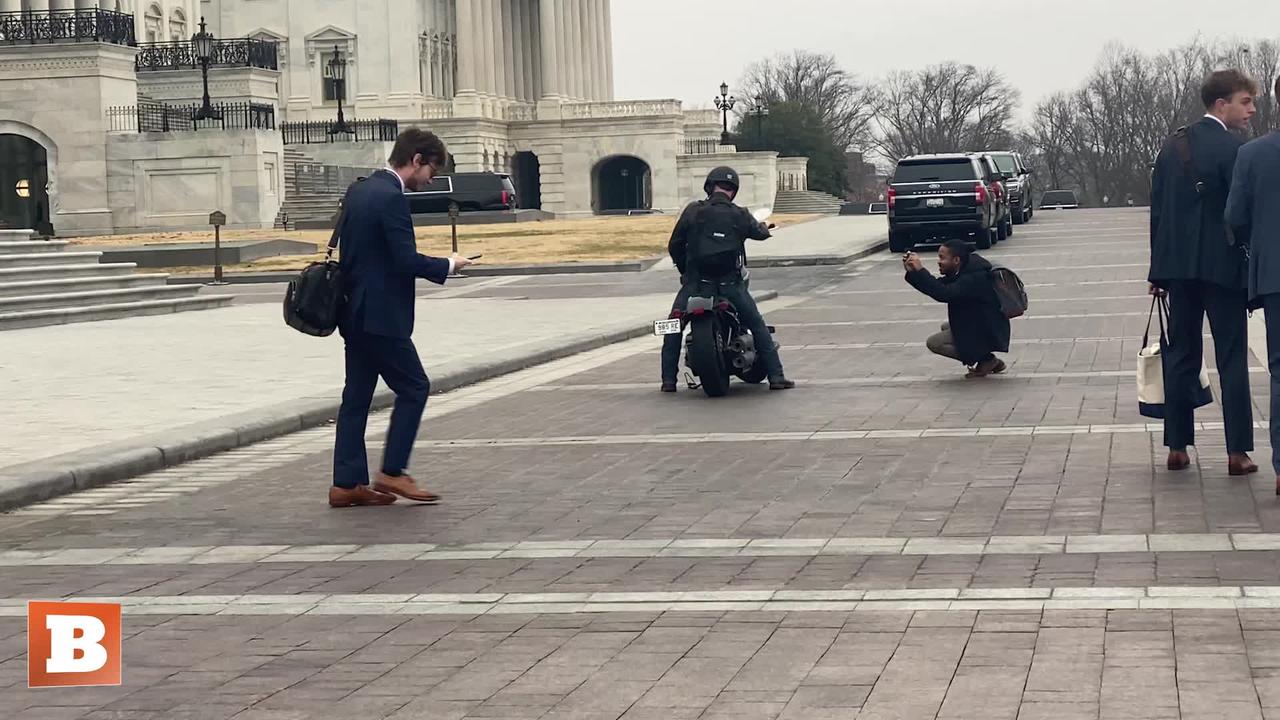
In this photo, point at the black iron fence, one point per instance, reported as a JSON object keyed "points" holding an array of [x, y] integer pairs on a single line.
{"points": [[240, 52], [310, 133], [318, 179], [64, 26], [701, 146], [158, 117]]}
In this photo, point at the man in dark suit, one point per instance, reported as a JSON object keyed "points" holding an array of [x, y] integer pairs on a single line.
{"points": [[1194, 260], [1253, 212], [380, 262]]}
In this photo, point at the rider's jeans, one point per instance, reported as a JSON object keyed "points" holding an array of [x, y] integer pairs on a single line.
{"points": [[735, 293]]}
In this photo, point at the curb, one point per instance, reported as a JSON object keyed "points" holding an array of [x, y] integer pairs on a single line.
{"points": [[815, 260], [83, 469], [622, 266]]}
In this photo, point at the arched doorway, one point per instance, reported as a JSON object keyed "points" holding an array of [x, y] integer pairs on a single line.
{"points": [[24, 176], [527, 174], [622, 183]]}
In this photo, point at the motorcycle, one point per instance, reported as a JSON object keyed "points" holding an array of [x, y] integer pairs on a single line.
{"points": [[718, 346]]}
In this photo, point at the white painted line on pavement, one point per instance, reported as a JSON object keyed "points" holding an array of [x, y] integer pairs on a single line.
{"points": [[865, 323], [954, 599], [647, 548], [893, 380]]}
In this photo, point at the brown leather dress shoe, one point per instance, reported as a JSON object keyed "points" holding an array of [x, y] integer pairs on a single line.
{"points": [[360, 495], [405, 487], [1240, 464], [1178, 460]]}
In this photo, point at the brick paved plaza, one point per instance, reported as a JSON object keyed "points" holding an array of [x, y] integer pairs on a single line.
{"points": [[888, 540]]}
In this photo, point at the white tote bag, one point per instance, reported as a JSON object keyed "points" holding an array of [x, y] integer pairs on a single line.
{"points": [[1151, 368]]}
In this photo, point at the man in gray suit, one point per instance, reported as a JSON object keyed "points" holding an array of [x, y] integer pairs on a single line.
{"points": [[1253, 212]]}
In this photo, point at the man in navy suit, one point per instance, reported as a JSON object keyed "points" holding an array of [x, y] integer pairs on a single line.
{"points": [[1195, 261], [1253, 212], [380, 263]]}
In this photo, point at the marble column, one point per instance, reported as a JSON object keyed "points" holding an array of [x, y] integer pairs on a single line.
{"points": [[574, 61], [10, 5], [564, 48], [608, 49], [529, 31], [62, 4], [468, 48], [486, 47], [597, 50], [510, 49], [549, 43], [517, 39], [38, 5]]}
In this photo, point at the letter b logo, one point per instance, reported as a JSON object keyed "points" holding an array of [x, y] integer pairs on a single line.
{"points": [[73, 644]]}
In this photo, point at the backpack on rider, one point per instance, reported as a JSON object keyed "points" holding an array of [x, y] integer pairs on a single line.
{"points": [[716, 244]]}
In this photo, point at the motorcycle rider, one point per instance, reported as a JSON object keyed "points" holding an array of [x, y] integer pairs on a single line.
{"points": [[704, 227]]}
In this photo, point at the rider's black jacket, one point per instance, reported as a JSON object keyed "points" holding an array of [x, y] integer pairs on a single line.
{"points": [[678, 247]]}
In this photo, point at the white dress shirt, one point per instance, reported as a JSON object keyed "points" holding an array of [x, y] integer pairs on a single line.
{"points": [[1219, 121]]}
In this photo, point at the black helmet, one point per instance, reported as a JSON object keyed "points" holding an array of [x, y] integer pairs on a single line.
{"points": [[723, 175]]}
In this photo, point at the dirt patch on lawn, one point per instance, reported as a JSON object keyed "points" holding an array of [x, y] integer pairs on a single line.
{"points": [[545, 242]]}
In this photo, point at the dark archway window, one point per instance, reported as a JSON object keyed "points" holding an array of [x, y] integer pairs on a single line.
{"points": [[622, 183], [24, 174]]}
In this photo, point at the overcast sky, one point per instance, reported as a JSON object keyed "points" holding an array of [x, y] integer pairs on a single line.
{"points": [[683, 48]]}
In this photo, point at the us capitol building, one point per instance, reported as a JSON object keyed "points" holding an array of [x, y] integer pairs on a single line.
{"points": [[104, 127]]}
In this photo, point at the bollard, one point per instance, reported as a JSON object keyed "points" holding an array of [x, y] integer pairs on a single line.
{"points": [[217, 219], [454, 211]]}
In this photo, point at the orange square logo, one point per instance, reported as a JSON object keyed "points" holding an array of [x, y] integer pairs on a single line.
{"points": [[73, 644]]}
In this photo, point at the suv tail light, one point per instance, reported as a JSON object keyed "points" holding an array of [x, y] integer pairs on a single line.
{"points": [[980, 192], [506, 198], [891, 196]]}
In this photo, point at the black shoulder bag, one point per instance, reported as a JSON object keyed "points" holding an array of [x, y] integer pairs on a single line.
{"points": [[314, 299]]}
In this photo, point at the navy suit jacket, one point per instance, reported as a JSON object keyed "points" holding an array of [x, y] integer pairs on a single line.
{"points": [[1189, 239], [380, 260], [1253, 211]]}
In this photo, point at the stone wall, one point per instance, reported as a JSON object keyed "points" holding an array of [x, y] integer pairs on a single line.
{"points": [[185, 87], [56, 95], [758, 172], [166, 181]]}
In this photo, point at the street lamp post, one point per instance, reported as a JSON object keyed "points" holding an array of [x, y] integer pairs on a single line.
{"points": [[338, 73], [202, 43], [760, 112], [724, 103]]}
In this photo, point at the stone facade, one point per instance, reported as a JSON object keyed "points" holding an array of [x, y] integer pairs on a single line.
{"points": [[167, 181], [523, 87]]}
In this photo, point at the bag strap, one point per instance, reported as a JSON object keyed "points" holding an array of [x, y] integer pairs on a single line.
{"points": [[1146, 334], [1164, 317], [336, 237], [1182, 145]]}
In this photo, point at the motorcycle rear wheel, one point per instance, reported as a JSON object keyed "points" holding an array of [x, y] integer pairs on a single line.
{"points": [[707, 353]]}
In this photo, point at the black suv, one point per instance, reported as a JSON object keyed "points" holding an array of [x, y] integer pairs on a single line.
{"points": [[1019, 185], [472, 192], [939, 197]]}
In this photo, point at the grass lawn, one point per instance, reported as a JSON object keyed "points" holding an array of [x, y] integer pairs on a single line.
{"points": [[548, 241]]}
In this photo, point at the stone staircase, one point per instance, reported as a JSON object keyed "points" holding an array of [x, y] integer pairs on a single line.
{"points": [[302, 204], [806, 202], [43, 283]]}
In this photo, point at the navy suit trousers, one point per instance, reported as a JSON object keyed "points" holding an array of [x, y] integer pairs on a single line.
{"points": [[396, 361], [1189, 302]]}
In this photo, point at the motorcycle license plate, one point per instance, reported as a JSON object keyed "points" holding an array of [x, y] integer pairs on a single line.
{"points": [[667, 327], [935, 202]]}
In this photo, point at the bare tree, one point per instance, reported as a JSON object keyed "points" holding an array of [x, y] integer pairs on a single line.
{"points": [[944, 108], [815, 81]]}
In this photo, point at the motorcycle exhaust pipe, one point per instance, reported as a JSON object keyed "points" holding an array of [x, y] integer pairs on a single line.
{"points": [[744, 361]]}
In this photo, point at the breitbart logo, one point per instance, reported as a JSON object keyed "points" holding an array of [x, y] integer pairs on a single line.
{"points": [[73, 644]]}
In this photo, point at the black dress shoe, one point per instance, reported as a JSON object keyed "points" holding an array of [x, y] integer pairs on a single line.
{"points": [[781, 383], [668, 386]]}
